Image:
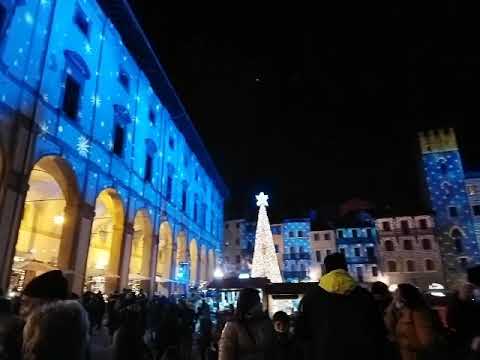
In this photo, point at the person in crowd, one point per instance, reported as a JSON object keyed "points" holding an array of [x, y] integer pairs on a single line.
{"points": [[250, 334], [10, 332], [205, 334], [463, 318], [339, 320], [187, 320], [382, 296], [413, 326], [48, 287], [284, 347], [57, 330]]}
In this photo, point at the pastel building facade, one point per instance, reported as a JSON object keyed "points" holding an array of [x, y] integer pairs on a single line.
{"points": [[102, 173]]}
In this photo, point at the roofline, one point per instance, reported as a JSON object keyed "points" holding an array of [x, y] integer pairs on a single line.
{"points": [[122, 16]]}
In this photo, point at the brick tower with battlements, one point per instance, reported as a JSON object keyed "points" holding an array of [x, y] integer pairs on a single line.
{"points": [[445, 184]]}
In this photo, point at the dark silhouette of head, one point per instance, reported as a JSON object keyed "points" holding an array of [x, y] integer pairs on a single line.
{"points": [[247, 300], [411, 296], [335, 261]]}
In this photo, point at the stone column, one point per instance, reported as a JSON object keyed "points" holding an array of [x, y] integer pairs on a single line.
{"points": [[153, 262], [16, 187], [124, 257], [85, 217]]}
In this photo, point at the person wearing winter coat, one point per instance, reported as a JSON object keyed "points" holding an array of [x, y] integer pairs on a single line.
{"points": [[339, 320], [411, 323], [249, 336]]}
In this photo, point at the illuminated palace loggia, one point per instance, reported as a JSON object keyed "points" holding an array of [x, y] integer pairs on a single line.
{"points": [[102, 173]]}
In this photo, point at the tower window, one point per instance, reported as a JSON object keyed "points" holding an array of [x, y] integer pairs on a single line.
{"points": [[148, 168], [118, 140], [476, 210], [407, 245], [80, 19], [124, 79], [429, 265], [453, 211], [71, 97]]}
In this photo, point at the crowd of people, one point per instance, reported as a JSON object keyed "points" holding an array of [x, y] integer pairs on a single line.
{"points": [[337, 320]]}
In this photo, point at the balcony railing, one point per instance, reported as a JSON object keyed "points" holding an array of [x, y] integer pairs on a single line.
{"points": [[298, 275], [297, 256]]}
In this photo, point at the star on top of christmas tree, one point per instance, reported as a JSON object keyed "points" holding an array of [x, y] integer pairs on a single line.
{"points": [[262, 199]]}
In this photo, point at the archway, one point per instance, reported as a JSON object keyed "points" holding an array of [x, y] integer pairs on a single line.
{"points": [[140, 256], [211, 264], [181, 265], [193, 261], [45, 236], [164, 258], [103, 262], [203, 263], [457, 236]]}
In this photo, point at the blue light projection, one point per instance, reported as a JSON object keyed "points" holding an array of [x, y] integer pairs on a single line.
{"points": [[297, 249], [45, 42]]}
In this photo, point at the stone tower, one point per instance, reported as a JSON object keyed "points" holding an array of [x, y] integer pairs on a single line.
{"points": [[445, 185]]}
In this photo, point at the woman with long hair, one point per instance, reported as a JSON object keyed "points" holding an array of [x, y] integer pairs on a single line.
{"points": [[250, 334]]}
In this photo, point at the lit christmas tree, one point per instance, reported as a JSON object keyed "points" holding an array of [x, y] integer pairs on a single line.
{"points": [[265, 263]]}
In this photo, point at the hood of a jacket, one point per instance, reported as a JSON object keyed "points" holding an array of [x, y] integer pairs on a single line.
{"points": [[338, 282]]}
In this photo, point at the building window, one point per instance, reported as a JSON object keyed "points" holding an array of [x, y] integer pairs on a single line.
{"points": [[357, 251], [342, 251], [276, 248], [318, 255], [458, 240], [426, 244], [429, 265], [374, 271], [80, 19], [360, 274], [453, 211], [476, 210], [171, 144], [369, 233], [410, 266], [151, 118], [238, 259], [386, 226], [370, 251], [169, 191], [328, 252], [326, 236], [405, 227], [184, 198], [124, 80], [195, 208], [118, 139], [237, 241], [392, 266], [226, 226], [302, 267], [463, 262], [389, 245], [471, 189], [423, 224], [407, 245], [291, 234], [316, 237], [354, 233], [340, 234], [292, 250], [148, 168], [238, 225], [300, 233], [71, 97]]}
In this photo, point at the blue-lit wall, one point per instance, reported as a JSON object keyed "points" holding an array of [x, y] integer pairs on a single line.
{"points": [[445, 181], [297, 250], [40, 44]]}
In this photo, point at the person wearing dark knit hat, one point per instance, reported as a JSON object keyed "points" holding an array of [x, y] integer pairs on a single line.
{"points": [[48, 287]]}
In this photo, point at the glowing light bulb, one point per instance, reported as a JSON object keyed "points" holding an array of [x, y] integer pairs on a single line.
{"points": [[218, 274], [58, 219]]}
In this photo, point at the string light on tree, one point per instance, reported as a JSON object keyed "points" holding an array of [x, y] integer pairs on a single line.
{"points": [[265, 263]]}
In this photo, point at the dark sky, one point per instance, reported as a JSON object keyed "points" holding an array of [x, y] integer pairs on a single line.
{"points": [[318, 105]]}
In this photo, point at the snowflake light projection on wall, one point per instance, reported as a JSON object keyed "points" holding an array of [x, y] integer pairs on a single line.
{"points": [[83, 146]]}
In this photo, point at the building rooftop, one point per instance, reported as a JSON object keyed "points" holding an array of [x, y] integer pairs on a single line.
{"points": [[122, 16]]}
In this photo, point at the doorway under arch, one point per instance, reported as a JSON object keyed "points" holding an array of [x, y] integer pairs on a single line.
{"points": [[140, 256], [164, 258], [193, 261], [45, 237], [103, 261], [181, 265], [203, 263]]}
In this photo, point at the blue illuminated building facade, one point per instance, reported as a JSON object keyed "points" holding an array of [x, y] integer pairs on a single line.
{"points": [[447, 194], [297, 249], [357, 239], [84, 99]]}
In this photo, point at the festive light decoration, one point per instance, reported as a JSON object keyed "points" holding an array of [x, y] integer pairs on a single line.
{"points": [[265, 263]]}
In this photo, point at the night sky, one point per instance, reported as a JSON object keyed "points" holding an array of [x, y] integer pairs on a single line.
{"points": [[318, 105]]}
